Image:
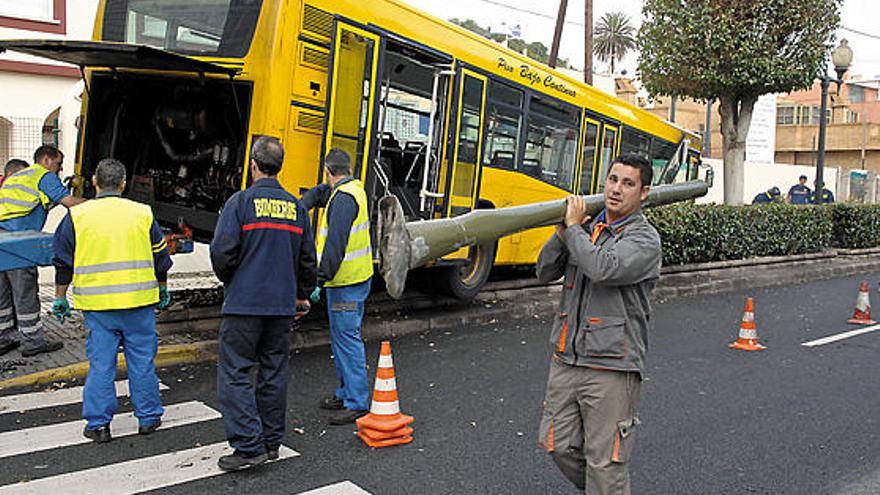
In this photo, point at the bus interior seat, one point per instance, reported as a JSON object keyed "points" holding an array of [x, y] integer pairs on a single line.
{"points": [[414, 158], [503, 159], [391, 150], [531, 166]]}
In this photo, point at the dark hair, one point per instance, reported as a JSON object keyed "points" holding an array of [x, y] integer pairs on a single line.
{"points": [[268, 154], [46, 151], [13, 166], [803, 177], [109, 174], [338, 162], [646, 171]]}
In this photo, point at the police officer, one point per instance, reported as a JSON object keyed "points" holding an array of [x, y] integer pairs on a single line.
{"points": [[769, 196], [25, 199], [800, 194], [113, 251], [264, 254], [345, 271], [600, 334], [827, 196]]}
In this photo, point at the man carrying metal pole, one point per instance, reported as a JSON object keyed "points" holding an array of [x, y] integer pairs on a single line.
{"points": [[345, 270], [25, 200], [114, 252], [600, 333]]}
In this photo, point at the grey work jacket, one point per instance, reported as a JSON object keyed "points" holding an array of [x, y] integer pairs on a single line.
{"points": [[605, 309]]}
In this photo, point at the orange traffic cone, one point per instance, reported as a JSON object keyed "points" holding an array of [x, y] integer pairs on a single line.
{"points": [[385, 426], [862, 314], [748, 333]]}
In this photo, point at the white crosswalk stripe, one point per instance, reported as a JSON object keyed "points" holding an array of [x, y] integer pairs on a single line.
{"points": [[344, 488], [138, 475], [65, 434], [61, 397]]}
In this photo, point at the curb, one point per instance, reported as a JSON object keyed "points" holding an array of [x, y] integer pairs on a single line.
{"points": [[167, 355]]}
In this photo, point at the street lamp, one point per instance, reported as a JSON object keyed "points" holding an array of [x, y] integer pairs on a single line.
{"points": [[841, 57]]}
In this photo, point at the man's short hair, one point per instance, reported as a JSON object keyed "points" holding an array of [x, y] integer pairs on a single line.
{"points": [[13, 166], [338, 162], [646, 171], [46, 151], [110, 174], [268, 154], [803, 177]]}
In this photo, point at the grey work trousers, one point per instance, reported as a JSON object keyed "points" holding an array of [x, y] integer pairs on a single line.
{"points": [[588, 425], [20, 306]]}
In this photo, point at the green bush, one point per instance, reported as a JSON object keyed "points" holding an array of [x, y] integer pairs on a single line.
{"points": [[701, 233], [856, 226]]}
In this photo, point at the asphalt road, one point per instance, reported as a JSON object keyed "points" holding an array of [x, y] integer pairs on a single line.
{"points": [[788, 420]]}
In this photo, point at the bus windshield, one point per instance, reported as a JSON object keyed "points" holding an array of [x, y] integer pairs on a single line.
{"points": [[222, 28]]}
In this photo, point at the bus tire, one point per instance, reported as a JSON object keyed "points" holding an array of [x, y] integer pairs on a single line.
{"points": [[464, 281]]}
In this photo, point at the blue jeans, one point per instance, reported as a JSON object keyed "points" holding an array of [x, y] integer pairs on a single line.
{"points": [[253, 414], [135, 330], [345, 310]]}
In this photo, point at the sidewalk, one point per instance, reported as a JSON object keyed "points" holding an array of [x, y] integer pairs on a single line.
{"points": [[190, 334]]}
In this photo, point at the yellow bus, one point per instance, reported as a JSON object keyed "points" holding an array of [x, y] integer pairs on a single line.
{"points": [[440, 117]]}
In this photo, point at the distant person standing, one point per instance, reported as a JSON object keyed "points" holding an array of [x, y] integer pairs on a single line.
{"points": [[345, 269], [264, 254], [800, 194], [25, 200], [827, 196]]}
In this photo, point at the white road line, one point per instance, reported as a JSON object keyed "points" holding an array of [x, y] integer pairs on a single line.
{"points": [[135, 476], [60, 397], [344, 488], [65, 434], [840, 336]]}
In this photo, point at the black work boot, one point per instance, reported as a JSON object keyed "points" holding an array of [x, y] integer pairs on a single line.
{"points": [[150, 428], [346, 416], [9, 346], [241, 460], [100, 434], [48, 346], [331, 403]]}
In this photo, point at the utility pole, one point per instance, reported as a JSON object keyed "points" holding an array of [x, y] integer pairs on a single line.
{"points": [[707, 137], [557, 35], [588, 41]]}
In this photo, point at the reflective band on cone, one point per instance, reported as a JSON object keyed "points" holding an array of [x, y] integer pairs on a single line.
{"points": [[862, 313], [748, 332], [385, 426]]}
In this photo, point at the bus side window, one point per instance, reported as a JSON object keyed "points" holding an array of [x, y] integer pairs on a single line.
{"points": [[590, 141], [609, 137], [552, 141], [504, 121]]}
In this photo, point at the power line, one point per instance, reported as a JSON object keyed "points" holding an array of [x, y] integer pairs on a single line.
{"points": [[526, 11], [862, 33]]}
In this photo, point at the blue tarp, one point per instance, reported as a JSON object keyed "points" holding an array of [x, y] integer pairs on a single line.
{"points": [[25, 249]]}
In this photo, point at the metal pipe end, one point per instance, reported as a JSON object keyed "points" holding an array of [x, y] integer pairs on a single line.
{"points": [[394, 245]]}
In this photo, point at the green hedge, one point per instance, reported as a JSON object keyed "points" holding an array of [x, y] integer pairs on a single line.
{"points": [[701, 233], [856, 226]]}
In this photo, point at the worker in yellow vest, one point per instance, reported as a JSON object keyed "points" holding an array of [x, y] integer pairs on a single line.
{"points": [[345, 269], [25, 200], [114, 252]]}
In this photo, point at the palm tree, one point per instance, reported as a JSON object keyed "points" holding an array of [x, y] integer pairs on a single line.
{"points": [[613, 37]]}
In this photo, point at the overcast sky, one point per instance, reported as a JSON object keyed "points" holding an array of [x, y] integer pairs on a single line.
{"points": [[537, 20]]}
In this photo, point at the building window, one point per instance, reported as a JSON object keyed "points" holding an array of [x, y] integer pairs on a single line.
{"points": [[48, 16], [785, 115], [856, 94]]}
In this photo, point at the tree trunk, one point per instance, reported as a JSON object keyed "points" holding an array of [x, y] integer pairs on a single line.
{"points": [[736, 117]]}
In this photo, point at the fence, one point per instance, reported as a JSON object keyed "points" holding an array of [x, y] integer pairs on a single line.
{"points": [[20, 136]]}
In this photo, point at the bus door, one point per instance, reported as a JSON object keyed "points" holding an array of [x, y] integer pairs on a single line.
{"points": [[590, 151], [607, 152], [350, 103], [465, 158]]}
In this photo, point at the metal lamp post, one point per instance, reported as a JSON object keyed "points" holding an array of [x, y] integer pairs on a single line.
{"points": [[841, 57]]}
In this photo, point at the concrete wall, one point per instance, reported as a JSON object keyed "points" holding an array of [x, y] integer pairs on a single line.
{"points": [[762, 176]]}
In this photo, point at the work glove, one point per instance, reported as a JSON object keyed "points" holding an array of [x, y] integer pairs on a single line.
{"points": [[164, 298], [61, 309], [316, 295]]}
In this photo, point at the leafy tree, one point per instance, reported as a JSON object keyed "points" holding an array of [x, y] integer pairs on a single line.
{"points": [[536, 50], [735, 51], [613, 37]]}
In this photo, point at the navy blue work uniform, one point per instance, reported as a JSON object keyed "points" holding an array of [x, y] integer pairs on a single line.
{"points": [[800, 195], [827, 196], [762, 198], [263, 252]]}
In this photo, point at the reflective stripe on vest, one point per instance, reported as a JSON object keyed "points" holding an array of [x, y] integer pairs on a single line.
{"points": [[113, 259], [20, 193], [357, 266]]}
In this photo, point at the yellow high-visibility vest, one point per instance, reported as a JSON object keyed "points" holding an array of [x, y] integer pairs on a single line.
{"points": [[357, 266], [21, 193], [113, 258]]}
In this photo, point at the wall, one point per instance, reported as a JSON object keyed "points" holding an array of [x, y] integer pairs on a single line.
{"points": [[762, 176]]}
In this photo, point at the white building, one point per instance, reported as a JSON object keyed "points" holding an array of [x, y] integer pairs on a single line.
{"points": [[39, 102]]}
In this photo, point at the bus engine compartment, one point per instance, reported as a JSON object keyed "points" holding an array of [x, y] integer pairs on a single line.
{"points": [[182, 141]]}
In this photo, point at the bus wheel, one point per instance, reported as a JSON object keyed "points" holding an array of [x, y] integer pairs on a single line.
{"points": [[465, 281]]}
